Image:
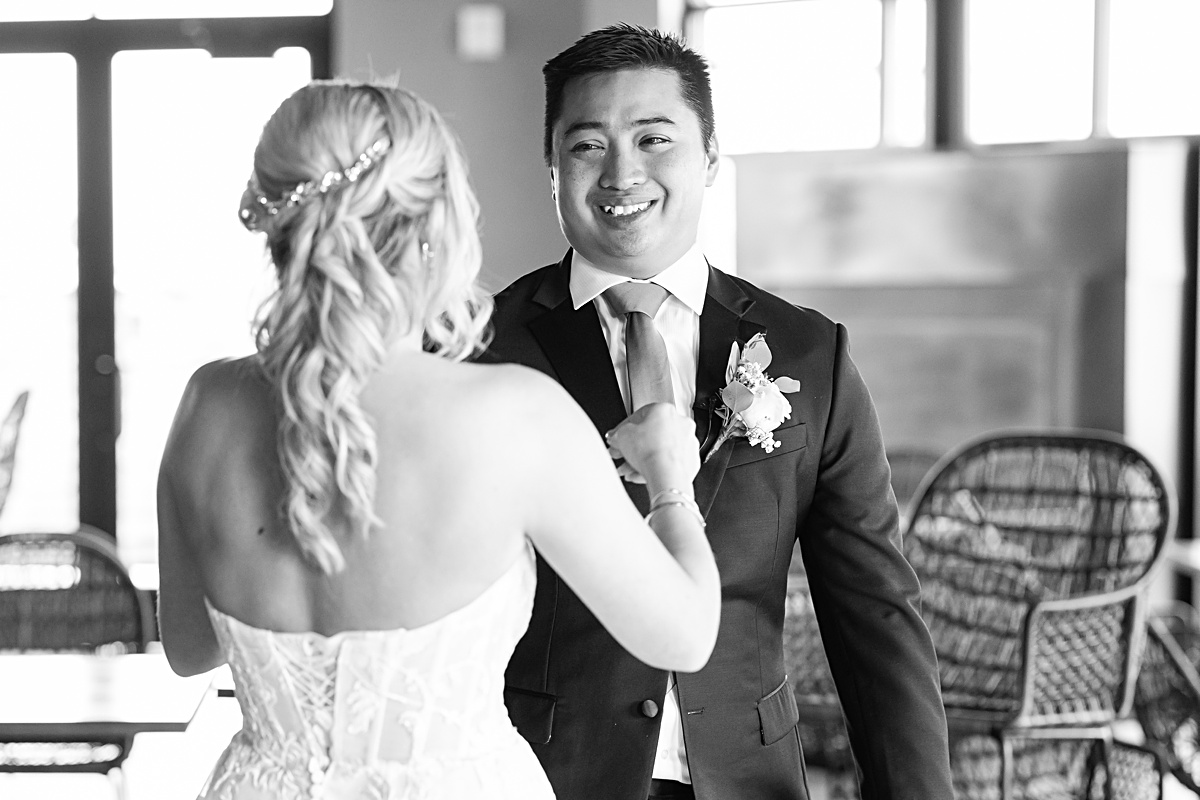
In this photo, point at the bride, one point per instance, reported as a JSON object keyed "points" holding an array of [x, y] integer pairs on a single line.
{"points": [[348, 517]]}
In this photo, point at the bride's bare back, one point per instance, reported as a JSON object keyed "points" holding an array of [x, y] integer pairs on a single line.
{"points": [[446, 464]]}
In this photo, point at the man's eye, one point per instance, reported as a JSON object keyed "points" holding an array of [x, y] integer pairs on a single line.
{"points": [[584, 147], [652, 140]]}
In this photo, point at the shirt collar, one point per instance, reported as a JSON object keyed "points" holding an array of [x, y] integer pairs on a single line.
{"points": [[686, 279]]}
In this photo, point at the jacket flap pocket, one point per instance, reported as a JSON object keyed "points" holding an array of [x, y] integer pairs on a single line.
{"points": [[532, 713], [793, 437], [777, 713]]}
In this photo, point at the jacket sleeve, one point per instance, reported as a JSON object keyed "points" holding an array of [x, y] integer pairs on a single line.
{"points": [[866, 599]]}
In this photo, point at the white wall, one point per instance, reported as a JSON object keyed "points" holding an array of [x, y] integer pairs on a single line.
{"points": [[496, 107]]}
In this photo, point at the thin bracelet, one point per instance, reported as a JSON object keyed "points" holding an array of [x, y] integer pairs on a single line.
{"points": [[677, 492], [691, 507], [683, 499]]}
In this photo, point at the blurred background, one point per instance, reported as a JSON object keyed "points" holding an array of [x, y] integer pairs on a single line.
{"points": [[998, 198]]}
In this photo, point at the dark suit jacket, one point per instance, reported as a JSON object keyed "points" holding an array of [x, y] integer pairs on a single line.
{"points": [[579, 697]]}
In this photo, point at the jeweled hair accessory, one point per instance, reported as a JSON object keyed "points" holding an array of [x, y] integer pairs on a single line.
{"points": [[256, 209]]}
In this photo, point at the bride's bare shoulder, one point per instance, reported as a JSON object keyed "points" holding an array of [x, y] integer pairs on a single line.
{"points": [[519, 387], [530, 407], [223, 391]]}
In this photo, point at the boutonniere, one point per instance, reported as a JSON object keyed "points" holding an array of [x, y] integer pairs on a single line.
{"points": [[752, 405]]}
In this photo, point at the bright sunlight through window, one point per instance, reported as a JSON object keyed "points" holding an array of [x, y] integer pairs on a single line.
{"points": [[159, 9], [1029, 70], [795, 76], [1154, 63]]}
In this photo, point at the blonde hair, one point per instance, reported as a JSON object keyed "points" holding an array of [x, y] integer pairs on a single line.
{"points": [[394, 252]]}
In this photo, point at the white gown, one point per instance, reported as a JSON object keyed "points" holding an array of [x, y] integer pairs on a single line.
{"points": [[408, 714]]}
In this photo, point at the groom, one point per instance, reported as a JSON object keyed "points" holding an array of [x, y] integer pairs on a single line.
{"points": [[630, 143]]}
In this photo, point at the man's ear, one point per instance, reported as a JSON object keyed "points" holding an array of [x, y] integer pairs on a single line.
{"points": [[554, 184], [712, 156]]}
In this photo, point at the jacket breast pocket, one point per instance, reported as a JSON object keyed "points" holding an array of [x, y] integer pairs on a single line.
{"points": [[532, 713], [777, 713], [790, 439]]}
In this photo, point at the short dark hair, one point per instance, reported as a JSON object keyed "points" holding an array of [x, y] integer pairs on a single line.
{"points": [[625, 46]]}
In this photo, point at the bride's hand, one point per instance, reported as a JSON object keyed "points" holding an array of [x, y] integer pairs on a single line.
{"points": [[659, 447]]}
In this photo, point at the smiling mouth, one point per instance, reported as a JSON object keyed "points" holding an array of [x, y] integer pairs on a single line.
{"points": [[625, 211]]}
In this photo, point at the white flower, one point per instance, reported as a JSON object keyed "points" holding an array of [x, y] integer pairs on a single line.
{"points": [[769, 409], [753, 404]]}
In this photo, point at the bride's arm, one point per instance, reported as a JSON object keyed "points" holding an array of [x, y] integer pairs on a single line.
{"points": [[654, 586], [186, 631]]}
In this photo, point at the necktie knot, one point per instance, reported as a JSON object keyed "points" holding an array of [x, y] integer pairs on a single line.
{"points": [[630, 297]]}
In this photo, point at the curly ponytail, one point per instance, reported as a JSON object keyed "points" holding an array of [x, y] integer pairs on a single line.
{"points": [[394, 251]]}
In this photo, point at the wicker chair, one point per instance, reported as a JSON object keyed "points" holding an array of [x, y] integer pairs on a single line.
{"points": [[822, 729], [10, 430], [909, 466], [1034, 552], [68, 592], [1167, 699], [1057, 769]]}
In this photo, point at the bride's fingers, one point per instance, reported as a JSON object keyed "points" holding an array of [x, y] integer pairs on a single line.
{"points": [[630, 474]]}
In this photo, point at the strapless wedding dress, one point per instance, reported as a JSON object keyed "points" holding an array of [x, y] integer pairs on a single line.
{"points": [[409, 714]]}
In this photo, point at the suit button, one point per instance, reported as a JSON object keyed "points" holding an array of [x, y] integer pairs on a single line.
{"points": [[649, 709]]}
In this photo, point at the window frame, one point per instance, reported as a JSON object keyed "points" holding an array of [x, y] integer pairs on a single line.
{"points": [[945, 77], [93, 43], [692, 25]]}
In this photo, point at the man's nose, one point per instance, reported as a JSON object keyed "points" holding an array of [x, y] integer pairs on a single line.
{"points": [[623, 168]]}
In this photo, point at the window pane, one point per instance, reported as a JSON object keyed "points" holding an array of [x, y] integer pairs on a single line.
{"points": [[188, 276], [904, 71], [158, 9], [795, 76], [1029, 70], [39, 281], [1153, 66]]}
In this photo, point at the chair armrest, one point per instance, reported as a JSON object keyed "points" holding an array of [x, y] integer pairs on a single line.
{"points": [[1081, 659]]}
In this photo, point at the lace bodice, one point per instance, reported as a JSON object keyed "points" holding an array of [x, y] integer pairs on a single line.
{"points": [[396, 714]]}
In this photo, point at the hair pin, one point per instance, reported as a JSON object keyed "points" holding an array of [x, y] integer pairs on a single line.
{"points": [[256, 209]]}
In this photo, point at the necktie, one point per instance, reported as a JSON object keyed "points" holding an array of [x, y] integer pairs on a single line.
{"points": [[645, 351]]}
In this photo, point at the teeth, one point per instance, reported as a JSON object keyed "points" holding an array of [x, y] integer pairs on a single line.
{"points": [[621, 211]]}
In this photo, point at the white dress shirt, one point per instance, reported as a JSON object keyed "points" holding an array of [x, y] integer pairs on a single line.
{"points": [[678, 322]]}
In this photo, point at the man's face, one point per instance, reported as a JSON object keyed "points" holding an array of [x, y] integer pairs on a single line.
{"points": [[628, 169]]}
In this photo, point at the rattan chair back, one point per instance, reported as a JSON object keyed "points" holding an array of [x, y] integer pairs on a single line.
{"points": [[909, 466], [1033, 551], [69, 592]]}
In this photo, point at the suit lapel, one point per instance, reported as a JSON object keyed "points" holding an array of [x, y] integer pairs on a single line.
{"points": [[722, 323]]}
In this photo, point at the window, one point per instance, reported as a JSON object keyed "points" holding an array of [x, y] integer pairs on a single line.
{"points": [[796, 76], [187, 275], [43, 10], [1152, 68], [39, 287], [127, 264], [1029, 70], [814, 74]]}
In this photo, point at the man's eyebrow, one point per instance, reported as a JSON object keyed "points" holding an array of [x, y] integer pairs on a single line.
{"points": [[641, 123], [582, 126], [590, 125]]}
